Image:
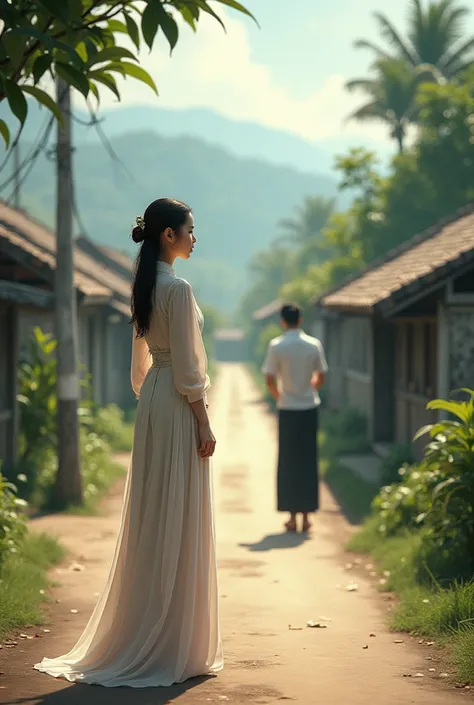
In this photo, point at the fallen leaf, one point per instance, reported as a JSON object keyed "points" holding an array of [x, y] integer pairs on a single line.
{"points": [[398, 641], [444, 675], [387, 573], [430, 643], [23, 636], [74, 611], [352, 587], [30, 636], [77, 567], [41, 592], [365, 647], [295, 629], [316, 625], [47, 631], [419, 675], [432, 670], [373, 635], [383, 581]]}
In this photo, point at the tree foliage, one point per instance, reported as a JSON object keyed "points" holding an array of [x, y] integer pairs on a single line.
{"points": [[79, 41]]}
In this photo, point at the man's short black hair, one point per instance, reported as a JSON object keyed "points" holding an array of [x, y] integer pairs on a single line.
{"points": [[291, 314]]}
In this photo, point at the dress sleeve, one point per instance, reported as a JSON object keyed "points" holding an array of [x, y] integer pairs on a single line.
{"points": [[188, 354], [141, 361]]}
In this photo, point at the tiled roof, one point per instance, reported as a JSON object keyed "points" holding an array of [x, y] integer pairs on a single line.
{"points": [[91, 277], [422, 261], [268, 310], [87, 286], [120, 257]]}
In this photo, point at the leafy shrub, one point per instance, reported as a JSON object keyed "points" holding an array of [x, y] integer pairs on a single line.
{"points": [[404, 505], [438, 495], [99, 428], [344, 432], [400, 457], [12, 520]]}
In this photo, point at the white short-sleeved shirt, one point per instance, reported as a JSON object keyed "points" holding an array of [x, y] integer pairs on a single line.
{"points": [[293, 358]]}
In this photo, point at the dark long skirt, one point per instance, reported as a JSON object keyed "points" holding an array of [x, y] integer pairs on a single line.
{"points": [[298, 481]]}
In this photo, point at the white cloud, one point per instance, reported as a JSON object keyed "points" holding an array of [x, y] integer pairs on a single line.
{"points": [[216, 70]]}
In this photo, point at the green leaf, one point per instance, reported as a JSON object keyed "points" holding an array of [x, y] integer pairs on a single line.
{"points": [[422, 431], [107, 80], [151, 21], [239, 7], [73, 77], [44, 99], [94, 91], [57, 8], [169, 27], [111, 54], [5, 133], [188, 17], [117, 26], [41, 65], [16, 100], [458, 409], [32, 32], [136, 72], [133, 30]]}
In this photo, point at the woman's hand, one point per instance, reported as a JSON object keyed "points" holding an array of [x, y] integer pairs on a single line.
{"points": [[207, 441]]}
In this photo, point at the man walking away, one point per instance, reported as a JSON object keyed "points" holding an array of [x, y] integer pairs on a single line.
{"points": [[295, 368]]}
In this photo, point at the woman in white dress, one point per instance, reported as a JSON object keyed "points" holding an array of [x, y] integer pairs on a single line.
{"points": [[156, 622]]}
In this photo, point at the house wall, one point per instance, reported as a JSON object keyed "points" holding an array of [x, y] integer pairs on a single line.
{"points": [[8, 385], [461, 347], [348, 349]]}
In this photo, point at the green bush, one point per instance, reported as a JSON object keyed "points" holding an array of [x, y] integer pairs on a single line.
{"points": [[100, 429], [12, 519], [109, 424], [344, 432], [437, 496], [400, 457]]}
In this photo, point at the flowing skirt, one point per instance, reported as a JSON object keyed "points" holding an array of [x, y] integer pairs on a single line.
{"points": [[156, 622], [298, 483]]}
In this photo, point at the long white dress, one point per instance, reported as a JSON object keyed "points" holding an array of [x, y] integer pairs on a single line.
{"points": [[156, 622]]}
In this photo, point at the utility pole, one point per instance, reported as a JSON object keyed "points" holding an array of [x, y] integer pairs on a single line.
{"points": [[16, 174], [68, 478]]}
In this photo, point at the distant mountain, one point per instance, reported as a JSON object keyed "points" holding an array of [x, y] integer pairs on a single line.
{"points": [[237, 202], [243, 139]]}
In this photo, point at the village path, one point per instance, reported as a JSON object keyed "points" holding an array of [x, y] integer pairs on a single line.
{"points": [[268, 581]]}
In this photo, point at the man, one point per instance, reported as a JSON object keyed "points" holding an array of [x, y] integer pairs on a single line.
{"points": [[295, 368]]}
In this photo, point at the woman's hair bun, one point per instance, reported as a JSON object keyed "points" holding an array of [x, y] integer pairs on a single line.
{"points": [[138, 234]]}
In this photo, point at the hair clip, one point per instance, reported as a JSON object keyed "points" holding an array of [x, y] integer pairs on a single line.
{"points": [[140, 221]]}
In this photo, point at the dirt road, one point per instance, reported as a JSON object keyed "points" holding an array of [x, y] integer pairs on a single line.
{"points": [[268, 581]]}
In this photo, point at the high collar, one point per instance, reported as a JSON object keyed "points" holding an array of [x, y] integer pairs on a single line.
{"points": [[165, 267], [293, 331]]}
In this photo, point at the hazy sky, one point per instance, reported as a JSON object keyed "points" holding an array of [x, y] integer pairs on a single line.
{"points": [[288, 74]]}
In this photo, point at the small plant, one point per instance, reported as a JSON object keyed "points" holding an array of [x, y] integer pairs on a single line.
{"points": [[450, 454], [397, 462], [12, 520]]}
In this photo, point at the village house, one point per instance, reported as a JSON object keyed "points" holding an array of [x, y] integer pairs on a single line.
{"points": [[401, 332], [27, 264]]}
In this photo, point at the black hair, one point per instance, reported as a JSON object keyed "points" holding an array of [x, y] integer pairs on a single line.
{"points": [[161, 214], [291, 314]]}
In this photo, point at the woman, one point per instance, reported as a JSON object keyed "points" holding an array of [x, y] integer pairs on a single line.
{"points": [[156, 622]]}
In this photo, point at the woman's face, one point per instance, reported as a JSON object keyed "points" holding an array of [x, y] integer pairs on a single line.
{"points": [[184, 240]]}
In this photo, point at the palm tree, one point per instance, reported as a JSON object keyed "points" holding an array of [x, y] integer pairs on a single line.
{"points": [[434, 38], [392, 95], [304, 231], [311, 217]]}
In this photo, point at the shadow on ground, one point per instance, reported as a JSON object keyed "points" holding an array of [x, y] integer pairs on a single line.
{"points": [[277, 542], [80, 693]]}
